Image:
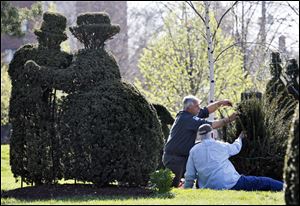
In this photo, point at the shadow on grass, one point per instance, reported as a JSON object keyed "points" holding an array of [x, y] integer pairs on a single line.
{"points": [[82, 192]]}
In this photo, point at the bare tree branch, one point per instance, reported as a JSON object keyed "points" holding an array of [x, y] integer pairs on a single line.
{"points": [[224, 50], [296, 12], [192, 6], [219, 23]]}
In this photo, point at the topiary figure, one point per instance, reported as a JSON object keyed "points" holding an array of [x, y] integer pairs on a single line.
{"points": [[292, 73], [34, 149], [276, 90], [291, 167], [109, 131], [166, 119]]}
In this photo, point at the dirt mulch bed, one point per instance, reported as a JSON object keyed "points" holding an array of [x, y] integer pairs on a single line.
{"points": [[72, 190]]}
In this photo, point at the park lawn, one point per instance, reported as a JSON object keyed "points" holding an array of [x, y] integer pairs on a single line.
{"points": [[181, 196]]}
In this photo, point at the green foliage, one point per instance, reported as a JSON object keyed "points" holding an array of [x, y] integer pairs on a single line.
{"points": [[264, 148], [12, 17], [110, 132], [291, 167], [175, 64], [162, 180], [5, 93]]}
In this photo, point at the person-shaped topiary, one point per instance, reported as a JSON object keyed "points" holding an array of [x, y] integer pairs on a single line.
{"points": [[109, 131], [34, 144], [276, 90]]}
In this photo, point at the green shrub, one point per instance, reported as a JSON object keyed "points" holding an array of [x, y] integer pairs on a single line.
{"points": [[291, 168], [264, 148], [162, 180]]}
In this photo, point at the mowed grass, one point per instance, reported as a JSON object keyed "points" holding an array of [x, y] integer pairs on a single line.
{"points": [[181, 196]]}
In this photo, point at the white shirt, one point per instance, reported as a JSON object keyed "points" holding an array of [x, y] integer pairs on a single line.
{"points": [[209, 162]]}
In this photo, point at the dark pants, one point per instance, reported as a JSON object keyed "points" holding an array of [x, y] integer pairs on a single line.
{"points": [[177, 165], [251, 183]]}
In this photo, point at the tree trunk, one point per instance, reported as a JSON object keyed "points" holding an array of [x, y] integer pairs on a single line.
{"points": [[210, 57]]}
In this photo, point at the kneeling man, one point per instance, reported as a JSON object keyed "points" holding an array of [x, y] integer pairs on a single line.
{"points": [[209, 163]]}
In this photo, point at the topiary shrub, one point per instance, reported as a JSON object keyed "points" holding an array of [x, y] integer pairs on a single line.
{"points": [[276, 90], [34, 148], [108, 130], [291, 167], [264, 148], [292, 78], [166, 120]]}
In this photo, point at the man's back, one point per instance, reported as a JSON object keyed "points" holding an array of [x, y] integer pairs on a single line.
{"points": [[208, 161], [183, 132]]}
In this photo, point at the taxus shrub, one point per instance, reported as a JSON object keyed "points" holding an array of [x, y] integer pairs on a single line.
{"points": [[107, 129], [291, 167], [263, 149], [34, 147]]}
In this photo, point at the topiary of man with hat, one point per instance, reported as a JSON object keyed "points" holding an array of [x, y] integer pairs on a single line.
{"points": [[34, 143]]}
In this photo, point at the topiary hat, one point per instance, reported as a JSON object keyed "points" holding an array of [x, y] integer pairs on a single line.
{"points": [[94, 28], [54, 25]]}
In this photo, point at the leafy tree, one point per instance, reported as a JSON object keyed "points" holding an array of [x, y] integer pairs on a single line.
{"points": [[175, 64], [12, 17], [5, 93]]}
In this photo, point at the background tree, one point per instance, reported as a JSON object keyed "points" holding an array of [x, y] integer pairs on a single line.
{"points": [[11, 22], [12, 17], [175, 63], [210, 39], [5, 93]]}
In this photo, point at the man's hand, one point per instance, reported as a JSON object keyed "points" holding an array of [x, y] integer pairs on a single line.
{"points": [[225, 102], [242, 135], [231, 118], [212, 107]]}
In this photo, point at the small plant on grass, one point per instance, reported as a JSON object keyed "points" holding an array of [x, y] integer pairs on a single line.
{"points": [[161, 180]]}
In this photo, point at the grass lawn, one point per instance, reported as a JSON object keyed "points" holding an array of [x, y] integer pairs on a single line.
{"points": [[181, 196]]}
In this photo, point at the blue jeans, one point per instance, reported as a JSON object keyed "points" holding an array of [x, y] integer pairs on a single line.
{"points": [[250, 183]]}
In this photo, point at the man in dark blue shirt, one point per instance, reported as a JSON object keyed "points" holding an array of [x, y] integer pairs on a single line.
{"points": [[183, 133]]}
